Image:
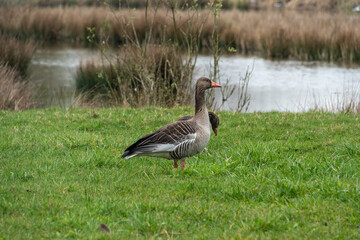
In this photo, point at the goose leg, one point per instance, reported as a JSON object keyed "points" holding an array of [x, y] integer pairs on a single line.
{"points": [[175, 164], [182, 164]]}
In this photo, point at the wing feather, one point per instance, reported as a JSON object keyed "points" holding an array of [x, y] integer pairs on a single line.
{"points": [[166, 139]]}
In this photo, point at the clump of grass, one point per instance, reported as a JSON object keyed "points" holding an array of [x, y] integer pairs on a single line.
{"points": [[15, 94], [137, 78], [16, 54], [156, 76], [346, 102]]}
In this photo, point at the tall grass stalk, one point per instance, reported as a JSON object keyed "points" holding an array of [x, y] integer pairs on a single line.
{"points": [[243, 96]]}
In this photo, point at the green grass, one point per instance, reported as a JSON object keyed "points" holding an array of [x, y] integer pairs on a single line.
{"points": [[266, 176]]}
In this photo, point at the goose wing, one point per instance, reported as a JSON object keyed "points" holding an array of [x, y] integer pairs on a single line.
{"points": [[166, 139], [184, 118]]}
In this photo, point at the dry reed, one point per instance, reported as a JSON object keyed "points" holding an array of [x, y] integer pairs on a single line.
{"points": [[133, 4], [288, 34], [302, 5], [15, 94], [306, 36]]}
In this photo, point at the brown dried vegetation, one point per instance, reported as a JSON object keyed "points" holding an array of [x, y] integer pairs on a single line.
{"points": [[273, 34], [15, 94], [16, 54], [137, 78]]}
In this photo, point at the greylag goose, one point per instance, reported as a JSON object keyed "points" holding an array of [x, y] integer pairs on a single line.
{"points": [[214, 120], [178, 140]]}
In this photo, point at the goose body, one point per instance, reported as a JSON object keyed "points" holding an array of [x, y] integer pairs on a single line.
{"points": [[178, 140]]}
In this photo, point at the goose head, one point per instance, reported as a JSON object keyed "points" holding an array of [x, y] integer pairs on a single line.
{"points": [[215, 121], [204, 83]]}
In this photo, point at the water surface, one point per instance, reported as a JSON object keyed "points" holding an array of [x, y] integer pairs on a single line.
{"points": [[284, 85], [274, 85], [54, 69]]}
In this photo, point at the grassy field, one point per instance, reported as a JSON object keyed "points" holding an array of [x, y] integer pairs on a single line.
{"points": [[266, 176]]}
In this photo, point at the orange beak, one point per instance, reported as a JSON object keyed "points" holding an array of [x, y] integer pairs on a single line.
{"points": [[213, 84], [215, 131]]}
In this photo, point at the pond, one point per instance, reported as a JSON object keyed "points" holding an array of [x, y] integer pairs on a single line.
{"points": [[273, 86]]}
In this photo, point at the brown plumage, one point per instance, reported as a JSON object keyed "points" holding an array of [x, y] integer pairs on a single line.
{"points": [[180, 139], [214, 121]]}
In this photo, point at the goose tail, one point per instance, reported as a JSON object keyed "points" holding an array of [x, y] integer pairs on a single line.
{"points": [[128, 154]]}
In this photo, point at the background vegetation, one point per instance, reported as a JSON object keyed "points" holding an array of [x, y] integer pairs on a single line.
{"points": [[142, 76], [302, 5], [16, 54], [153, 68], [306, 35], [266, 175]]}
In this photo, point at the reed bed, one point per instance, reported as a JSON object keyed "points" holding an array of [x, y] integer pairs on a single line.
{"points": [[300, 5], [181, 4], [303, 5], [272, 34], [305, 36]]}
